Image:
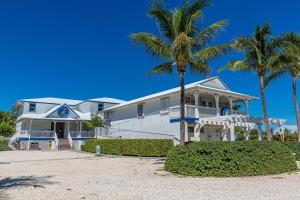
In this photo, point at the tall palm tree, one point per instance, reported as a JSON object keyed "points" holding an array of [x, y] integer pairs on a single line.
{"points": [[260, 52], [182, 43], [288, 61]]}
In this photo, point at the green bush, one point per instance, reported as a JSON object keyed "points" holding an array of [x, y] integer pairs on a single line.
{"points": [[224, 159], [295, 147], [3, 143], [130, 147]]}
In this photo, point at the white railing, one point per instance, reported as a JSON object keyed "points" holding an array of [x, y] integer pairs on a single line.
{"points": [[56, 141], [190, 111], [106, 132], [82, 134], [37, 134], [207, 111], [239, 112]]}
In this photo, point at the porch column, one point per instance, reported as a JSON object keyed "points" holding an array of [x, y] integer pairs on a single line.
{"points": [[230, 105], [54, 127], [247, 107], [231, 130], [259, 131], [29, 132], [246, 133], [80, 127], [68, 128], [196, 97], [197, 132], [217, 97]]}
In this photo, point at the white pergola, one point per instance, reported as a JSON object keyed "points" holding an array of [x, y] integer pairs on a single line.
{"points": [[229, 122]]}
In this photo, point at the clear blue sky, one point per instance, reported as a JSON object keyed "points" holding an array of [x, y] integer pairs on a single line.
{"points": [[81, 49]]}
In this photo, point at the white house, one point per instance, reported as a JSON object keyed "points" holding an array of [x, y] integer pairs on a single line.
{"points": [[50, 123], [209, 112]]}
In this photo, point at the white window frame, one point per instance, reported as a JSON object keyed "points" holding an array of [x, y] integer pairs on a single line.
{"points": [[34, 107], [140, 110], [164, 104]]}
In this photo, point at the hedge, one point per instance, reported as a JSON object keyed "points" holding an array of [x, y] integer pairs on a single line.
{"points": [[130, 147], [225, 159], [3, 143], [295, 147]]}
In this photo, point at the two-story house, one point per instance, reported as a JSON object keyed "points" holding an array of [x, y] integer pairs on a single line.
{"points": [[209, 109], [50, 123]]}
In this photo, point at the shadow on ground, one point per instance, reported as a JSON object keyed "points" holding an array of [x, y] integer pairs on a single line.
{"points": [[26, 181]]}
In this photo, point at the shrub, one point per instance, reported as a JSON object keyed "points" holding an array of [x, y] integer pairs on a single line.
{"points": [[3, 143], [130, 147], [295, 147], [224, 159]]}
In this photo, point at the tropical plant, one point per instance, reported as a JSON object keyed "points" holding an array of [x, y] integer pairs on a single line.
{"points": [[260, 51], [7, 124], [182, 43], [288, 61], [96, 121]]}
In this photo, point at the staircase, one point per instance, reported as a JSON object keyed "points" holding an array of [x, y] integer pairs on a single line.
{"points": [[64, 144]]}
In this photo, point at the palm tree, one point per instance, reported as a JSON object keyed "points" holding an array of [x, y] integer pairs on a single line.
{"points": [[260, 52], [288, 61], [182, 43]]}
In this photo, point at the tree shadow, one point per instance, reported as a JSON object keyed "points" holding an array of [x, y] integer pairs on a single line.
{"points": [[26, 181]]}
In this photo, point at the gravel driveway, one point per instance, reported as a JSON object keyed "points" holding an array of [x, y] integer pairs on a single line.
{"points": [[71, 175]]}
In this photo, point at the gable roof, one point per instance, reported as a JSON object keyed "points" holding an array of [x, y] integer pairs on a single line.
{"points": [[107, 100], [212, 84], [53, 111], [52, 100]]}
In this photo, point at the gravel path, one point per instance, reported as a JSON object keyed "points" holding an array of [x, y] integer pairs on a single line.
{"points": [[71, 175]]}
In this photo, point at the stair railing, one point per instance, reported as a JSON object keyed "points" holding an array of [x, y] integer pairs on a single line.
{"points": [[70, 139], [56, 140]]}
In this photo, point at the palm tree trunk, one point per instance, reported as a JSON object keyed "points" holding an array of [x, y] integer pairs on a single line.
{"points": [[264, 105], [296, 105], [182, 108]]}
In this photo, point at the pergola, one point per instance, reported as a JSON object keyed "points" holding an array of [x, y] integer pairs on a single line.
{"points": [[229, 122]]}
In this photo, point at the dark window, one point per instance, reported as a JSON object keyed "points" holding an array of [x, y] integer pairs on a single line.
{"points": [[202, 130], [140, 110], [203, 103], [210, 104], [100, 107], [32, 107]]}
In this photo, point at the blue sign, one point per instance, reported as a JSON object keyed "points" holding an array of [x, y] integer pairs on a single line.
{"points": [[225, 111], [63, 111]]}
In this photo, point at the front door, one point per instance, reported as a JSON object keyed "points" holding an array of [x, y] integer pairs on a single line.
{"points": [[60, 129]]}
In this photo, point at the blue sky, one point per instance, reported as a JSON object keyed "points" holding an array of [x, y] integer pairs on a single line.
{"points": [[81, 49]]}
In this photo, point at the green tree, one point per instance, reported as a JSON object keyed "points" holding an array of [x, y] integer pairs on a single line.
{"points": [[260, 53], [96, 121], [288, 61], [182, 43], [7, 124]]}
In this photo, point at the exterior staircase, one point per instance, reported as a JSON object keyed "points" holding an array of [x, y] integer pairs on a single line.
{"points": [[64, 144]]}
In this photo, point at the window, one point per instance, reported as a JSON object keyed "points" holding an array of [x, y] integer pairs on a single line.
{"points": [[189, 100], [164, 104], [140, 110], [100, 107], [32, 107], [210, 104], [203, 103]]}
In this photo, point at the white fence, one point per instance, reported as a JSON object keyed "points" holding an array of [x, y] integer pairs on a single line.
{"points": [[105, 132], [82, 134]]}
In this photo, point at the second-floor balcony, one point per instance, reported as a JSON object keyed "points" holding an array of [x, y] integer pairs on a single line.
{"points": [[192, 111]]}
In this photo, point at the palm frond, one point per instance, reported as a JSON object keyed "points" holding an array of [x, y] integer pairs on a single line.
{"points": [[213, 52], [165, 68], [210, 32], [164, 19], [273, 75], [155, 45], [199, 67], [236, 65]]}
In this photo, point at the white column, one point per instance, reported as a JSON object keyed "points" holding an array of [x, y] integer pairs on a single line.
{"points": [[29, 132], [247, 107], [186, 132], [217, 97], [196, 97], [246, 133], [54, 127], [68, 128], [197, 132], [80, 127], [224, 133], [259, 131], [230, 104], [231, 131]]}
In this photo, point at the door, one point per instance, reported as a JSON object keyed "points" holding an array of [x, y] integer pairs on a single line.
{"points": [[60, 129]]}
